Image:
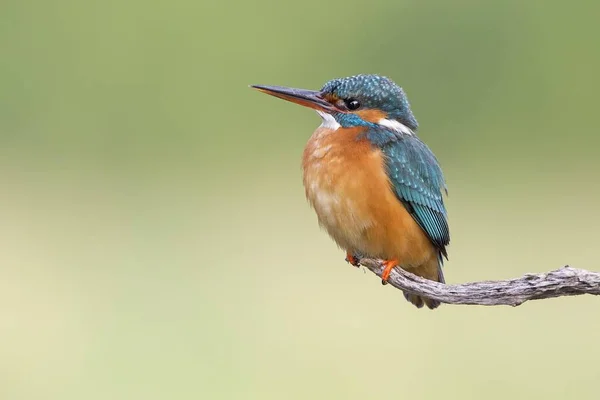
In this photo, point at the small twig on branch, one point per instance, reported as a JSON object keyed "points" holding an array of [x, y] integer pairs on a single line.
{"points": [[565, 281]]}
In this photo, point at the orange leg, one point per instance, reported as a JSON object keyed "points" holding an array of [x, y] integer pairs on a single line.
{"points": [[351, 259], [389, 265]]}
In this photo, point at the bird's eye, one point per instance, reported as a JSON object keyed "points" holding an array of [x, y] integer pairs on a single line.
{"points": [[352, 104]]}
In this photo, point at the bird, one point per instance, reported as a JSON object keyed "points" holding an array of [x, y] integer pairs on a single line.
{"points": [[376, 188]]}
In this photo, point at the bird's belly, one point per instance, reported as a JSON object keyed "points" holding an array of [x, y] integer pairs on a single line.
{"points": [[341, 215], [352, 197]]}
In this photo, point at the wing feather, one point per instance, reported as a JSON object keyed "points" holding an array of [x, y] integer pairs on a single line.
{"points": [[418, 183]]}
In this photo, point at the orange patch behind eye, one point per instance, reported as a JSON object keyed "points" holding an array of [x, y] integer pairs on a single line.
{"points": [[371, 115], [332, 98]]}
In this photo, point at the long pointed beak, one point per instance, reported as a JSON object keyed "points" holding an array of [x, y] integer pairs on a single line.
{"points": [[306, 98]]}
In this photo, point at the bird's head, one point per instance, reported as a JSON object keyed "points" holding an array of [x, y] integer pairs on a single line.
{"points": [[361, 100]]}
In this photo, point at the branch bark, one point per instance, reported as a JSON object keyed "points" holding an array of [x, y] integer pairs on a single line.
{"points": [[565, 281]]}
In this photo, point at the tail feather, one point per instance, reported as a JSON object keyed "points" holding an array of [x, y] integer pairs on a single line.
{"points": [[418, 301], [437, 276]]}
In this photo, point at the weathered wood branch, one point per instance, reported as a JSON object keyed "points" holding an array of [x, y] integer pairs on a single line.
{"points": [[565, 281]]}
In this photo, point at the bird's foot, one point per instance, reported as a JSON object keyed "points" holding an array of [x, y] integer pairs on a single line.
{"points": [[389, 266], [351, 259]]}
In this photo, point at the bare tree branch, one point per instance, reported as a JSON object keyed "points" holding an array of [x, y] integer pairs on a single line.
{"points": [[566, 281]]}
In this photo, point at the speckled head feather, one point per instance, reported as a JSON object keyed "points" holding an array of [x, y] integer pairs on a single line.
{"points": [[374, 92]]}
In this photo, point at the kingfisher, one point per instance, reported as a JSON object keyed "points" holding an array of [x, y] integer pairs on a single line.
{"points": [[376, 188]]}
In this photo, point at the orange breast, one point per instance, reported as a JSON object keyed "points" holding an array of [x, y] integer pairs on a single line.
{"points": [[347, 185]]}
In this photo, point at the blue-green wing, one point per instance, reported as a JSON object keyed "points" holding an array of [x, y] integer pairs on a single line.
{"points": [[418, 182]]}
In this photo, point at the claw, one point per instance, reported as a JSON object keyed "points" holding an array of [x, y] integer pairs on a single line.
{"points": [[385, 275], [351, 259]]}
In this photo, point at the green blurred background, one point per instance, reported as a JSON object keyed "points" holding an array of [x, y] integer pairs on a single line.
{"points": [[156, 243]]}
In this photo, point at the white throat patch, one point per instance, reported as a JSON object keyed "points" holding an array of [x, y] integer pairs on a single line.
{"points": [[328, 121], [395, 125]]}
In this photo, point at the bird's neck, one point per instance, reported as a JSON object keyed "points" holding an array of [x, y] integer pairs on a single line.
{"points": [[336, 121]]}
